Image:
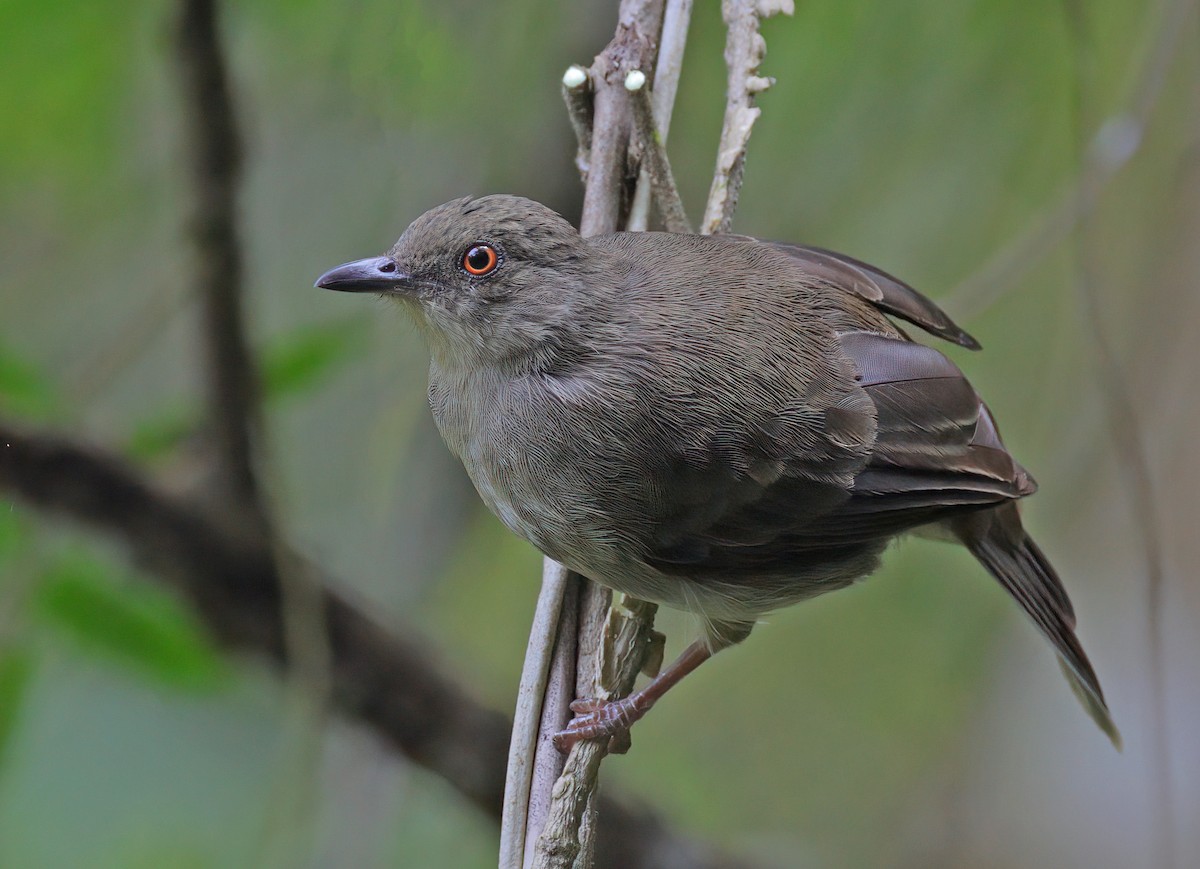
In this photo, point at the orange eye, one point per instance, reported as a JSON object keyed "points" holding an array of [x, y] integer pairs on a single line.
{"points": [[480, 259]]}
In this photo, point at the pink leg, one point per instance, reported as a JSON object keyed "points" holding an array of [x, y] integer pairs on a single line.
{"points": [[604, 719]]}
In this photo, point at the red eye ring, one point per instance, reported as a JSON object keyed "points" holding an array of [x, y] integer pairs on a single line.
{"points": [[480, 259]]}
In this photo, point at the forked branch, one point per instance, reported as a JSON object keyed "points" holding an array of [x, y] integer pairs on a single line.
{"points": [[608, 660]]}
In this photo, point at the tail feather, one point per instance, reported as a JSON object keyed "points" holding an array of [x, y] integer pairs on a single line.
{"points": [[997, 539]]}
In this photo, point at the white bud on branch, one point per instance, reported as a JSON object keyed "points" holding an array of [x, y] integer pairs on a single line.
{"points": [[574, 77]]}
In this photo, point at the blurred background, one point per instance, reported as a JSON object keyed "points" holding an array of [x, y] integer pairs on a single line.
{"points": [[916, 720]]}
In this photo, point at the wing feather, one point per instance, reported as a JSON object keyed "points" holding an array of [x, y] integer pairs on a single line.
{"points": [[888, 293], [924, 445]]}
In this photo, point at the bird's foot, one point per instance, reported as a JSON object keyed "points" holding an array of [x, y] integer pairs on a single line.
{"points": [[600, 719]]}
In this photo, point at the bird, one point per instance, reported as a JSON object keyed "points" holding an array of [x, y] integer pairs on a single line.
{"points": [[717, 423]]}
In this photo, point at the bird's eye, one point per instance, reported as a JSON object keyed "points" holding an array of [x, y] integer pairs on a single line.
{"points": [[480, 259]]}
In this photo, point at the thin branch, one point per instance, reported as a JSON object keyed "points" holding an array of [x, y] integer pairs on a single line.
{"points": [[676, 19], [529, 792], [606, 646], [1128, 439], [556, 709], [567, 834], [215, 161], [550, 627], [578, 96], [625, 635], [380, 678], [744, 52], [560, 845], [656, 167]]}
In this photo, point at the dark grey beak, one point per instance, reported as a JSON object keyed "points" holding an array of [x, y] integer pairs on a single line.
{"points": [[376, 275]]}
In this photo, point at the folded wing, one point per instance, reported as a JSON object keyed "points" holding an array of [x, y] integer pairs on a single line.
{"points": [[891, 295]]}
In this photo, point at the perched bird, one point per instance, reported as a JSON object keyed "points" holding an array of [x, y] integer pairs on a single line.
{"points": [[716, 423]]}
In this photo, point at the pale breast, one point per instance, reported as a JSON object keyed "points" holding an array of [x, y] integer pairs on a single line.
{"points": [[524, 468]]}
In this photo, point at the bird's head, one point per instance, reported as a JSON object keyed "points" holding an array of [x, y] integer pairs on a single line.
{"points": [[488, 280]]}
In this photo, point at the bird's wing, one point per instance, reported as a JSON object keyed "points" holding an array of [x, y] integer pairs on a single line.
{"points": [[935, 440], [935, 453], [889, 294]]}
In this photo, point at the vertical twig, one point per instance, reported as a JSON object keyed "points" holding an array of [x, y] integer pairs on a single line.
{"points": [[627, 639], [231, 376], [656, 172], [566, 838], [744, 52], [578, 96], [552, 626], [676, 19], [1126, 433]]}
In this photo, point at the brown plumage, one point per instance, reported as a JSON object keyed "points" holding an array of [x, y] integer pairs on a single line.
{"points": [[712, 422]]}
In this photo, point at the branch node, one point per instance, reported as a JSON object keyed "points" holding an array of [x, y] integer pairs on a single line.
{"points": [[756, 84]]}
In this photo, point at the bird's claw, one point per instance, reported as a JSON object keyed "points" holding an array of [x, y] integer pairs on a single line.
{"points": [[600, 719]]}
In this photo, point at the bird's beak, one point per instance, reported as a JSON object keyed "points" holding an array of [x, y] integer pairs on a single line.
{"points": [[376, 275]]}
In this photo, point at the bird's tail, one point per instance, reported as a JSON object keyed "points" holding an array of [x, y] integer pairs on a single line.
{"points": [[996, 538]]}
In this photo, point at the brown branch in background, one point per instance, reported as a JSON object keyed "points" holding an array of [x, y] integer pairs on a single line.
{"points": [[744, 52], [655, 165], [214, 162], [381, 679], [232, 386], [234, 588]]}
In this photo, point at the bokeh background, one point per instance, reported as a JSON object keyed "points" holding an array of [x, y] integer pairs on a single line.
{"points": [[916, 720]]}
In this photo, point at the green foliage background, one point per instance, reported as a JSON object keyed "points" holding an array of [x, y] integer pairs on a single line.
{"points": [[912, 721]]}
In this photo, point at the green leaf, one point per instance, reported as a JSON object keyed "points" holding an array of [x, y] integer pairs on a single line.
{"points": [[14, 531], [128, 622], [66, 105], [23, 389], [292, 364], [297, 361], [159, 435], [16, 668]]}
